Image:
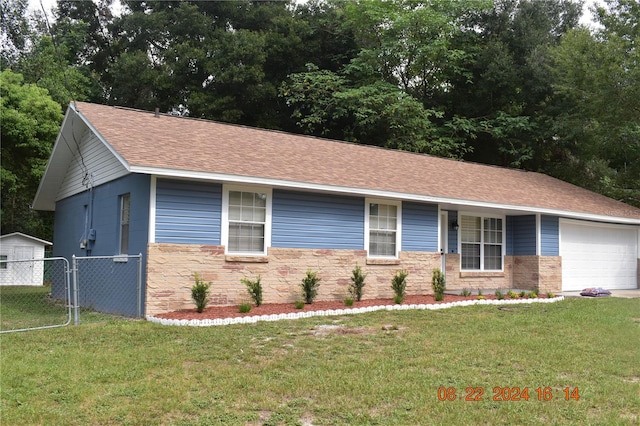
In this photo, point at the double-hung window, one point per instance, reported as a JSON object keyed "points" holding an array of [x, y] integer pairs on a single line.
{"points": [[246, 220], [382, 236], [482, 243]]}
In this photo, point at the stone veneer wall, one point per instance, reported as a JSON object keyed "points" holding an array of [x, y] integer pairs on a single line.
{"points": [[170, 269], [550, 274], [457, 280], [543, 273]]}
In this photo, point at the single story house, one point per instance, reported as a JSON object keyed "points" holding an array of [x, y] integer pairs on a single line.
{"points": [[229, 202], [19, 246]]}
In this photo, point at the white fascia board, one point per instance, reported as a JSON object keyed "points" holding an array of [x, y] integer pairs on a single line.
{"points": [[93, 130], [55, 170], [373, 193]]}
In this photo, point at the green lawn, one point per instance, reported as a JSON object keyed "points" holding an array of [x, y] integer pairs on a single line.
{"points": [[378, 368], [30, 306]]}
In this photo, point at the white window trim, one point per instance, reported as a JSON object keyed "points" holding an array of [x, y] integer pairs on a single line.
{"points": [[482, 243], [398, 204], [224, 231]]}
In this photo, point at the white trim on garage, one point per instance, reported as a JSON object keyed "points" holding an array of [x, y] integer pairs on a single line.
{"points": [[598, 255]]}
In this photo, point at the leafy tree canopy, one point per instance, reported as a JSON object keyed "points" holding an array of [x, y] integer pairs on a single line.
{"points": [[30, 124]]}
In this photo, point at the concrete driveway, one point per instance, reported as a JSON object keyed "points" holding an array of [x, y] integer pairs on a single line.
{"points": [[635, 293]]}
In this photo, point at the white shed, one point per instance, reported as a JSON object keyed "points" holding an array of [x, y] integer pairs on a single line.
{"points": [[18, 246]]}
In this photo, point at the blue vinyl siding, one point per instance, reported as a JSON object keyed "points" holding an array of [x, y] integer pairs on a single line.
{"points": [[452, 236], [419, 227], [521, 235], [320, 221], [550, 236], [188, 212]]}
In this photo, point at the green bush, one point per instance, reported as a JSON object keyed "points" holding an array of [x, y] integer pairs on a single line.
{"points": [[299, 304], [512, 294], [348, 301], [465, 292], [438, 284], [310, 284], [399, 285], [357, 282], [200, 292], [244, 308], [499, 295], [550, 295], [254, 288]]}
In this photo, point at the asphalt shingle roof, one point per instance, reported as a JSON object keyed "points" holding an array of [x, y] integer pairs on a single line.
{"points": [[184, 144]]}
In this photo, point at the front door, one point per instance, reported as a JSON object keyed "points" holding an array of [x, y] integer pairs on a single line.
{"points": [[444, 243]]}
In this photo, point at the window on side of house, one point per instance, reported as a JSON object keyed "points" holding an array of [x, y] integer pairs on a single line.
{"points": [[382, 233], [246, 220], [125, 216], [482, 243], [3, 259]]}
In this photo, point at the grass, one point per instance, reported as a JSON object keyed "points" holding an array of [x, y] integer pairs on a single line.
{"points": [[30, 306], [376, 368]]}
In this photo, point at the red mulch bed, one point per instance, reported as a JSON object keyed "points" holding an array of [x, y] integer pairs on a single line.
{"points": [[214, 312]]}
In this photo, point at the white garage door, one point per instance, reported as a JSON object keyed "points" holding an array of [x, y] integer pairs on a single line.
{"points": [[598, 256]]}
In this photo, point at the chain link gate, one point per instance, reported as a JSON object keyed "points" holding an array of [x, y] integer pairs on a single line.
{"points": [[46, 293], [108, 284], [34, 294]]}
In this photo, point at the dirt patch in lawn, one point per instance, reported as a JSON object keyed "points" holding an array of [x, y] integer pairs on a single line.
{"points": [[214, 312]]}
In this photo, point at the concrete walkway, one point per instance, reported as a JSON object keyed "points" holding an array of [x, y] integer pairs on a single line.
{"points": [[635, 293]]}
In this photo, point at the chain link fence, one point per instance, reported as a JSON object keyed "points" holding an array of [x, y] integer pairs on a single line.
{"points": [[34, 294], [108, 284], [45, 293]]}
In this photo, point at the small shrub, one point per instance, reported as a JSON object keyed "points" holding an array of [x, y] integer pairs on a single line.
{"points": [[438, 284], [479, 292], [465, 292], [512, 294], [523, 294], [399, 285], [200, 292], [254, 288], [536, 292], [244, 308], [348, 301], [499, 295], [299, 304], [550, 295], [480, 297], [310, 284], [357, 283], [531, 295]]}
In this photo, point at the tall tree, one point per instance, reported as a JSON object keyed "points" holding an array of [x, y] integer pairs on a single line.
{"points": [[597, 121], [385, 95], [14, 30], [30, 123], [509, 84]]}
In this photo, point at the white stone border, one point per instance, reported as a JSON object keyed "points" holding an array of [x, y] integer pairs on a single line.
{"points": [[348, 311]]}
